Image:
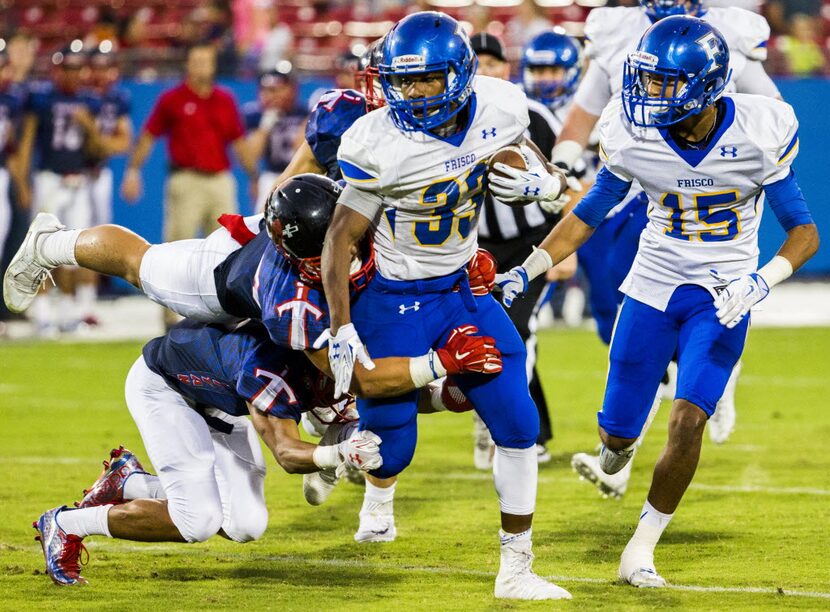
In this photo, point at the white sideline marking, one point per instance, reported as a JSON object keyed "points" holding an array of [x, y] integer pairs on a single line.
{"points": [[356, 563]]}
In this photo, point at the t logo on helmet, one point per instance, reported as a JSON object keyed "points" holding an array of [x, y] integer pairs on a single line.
{"points": [[709, 44]]}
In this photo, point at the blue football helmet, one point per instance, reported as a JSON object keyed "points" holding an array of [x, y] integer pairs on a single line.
{"points": [[421, 43], [555, 49], [688, 58], [659, 9]]}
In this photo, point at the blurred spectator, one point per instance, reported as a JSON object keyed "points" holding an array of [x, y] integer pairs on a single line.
{"points": [[344, 68], [274, 123], [105, 28], [802, 48], [278, 43], [479, 17], [21, 49], [750, 5], [200, 121], [781, 12], [133, 31], [529, 21], [219, 33]]}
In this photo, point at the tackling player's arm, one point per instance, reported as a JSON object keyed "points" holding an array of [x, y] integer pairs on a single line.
{"points": [[464, 352], [282, 437]]}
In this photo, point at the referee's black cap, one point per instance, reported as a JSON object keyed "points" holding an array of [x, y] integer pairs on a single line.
{"points": [[483, 42]]}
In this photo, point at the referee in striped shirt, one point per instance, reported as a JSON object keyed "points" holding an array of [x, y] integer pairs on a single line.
{"points": [[509, 233]]}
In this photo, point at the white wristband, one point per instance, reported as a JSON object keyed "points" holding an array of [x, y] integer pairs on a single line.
{"points": [[326, 457], [777, 270], [537, 263], [566, 152], [435, 400], [426, 368]]}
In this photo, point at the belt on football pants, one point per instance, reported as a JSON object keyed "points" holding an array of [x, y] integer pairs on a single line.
{"points": [[457, 281]]}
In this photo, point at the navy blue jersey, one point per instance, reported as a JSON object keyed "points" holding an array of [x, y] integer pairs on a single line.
{"points": [[258, 282], [335, 112], [60, 139], [279, 146], [211, 366], [13, 100], [115, 104]]}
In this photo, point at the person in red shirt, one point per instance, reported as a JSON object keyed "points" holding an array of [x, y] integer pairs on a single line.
{"points": [[200, 121]]}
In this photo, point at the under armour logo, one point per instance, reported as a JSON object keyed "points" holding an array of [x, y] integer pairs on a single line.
{"points": [[730, 151], [529, 191], [490, 132], [289, 230], [415, 307]]}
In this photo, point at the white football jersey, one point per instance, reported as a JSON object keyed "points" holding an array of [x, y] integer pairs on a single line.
{"points": [[705, 205], [614, 32], [432, 188]]}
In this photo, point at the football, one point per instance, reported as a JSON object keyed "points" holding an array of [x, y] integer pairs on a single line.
{"points": [[512, 156]]}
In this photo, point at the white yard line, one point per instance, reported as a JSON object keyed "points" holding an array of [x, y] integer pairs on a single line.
{"points": [[296, 560], [755, 489]]}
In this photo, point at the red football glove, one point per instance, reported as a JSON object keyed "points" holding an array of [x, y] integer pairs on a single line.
{"points": [[453, 398], [482, 272], [465, 352]]}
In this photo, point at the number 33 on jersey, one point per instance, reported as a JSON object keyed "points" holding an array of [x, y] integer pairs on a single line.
{"points": [[429, 189]]}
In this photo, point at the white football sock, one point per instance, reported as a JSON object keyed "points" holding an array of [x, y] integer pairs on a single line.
{"points": [[378, 495], [520, 540], [515, 474], [58, 248], [84, 522], [143, 486], [651, 526]]}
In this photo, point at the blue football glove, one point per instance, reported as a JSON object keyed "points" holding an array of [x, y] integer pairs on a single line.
{"points": [[513, 284]]}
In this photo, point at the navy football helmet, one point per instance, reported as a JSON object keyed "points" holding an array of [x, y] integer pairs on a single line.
{"points": [[659, 9], [422, 43], [297, 215], [688, 59], [555, 49]]}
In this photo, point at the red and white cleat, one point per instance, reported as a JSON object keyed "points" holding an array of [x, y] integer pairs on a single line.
{"points": [[109, 488], [61, 550]]}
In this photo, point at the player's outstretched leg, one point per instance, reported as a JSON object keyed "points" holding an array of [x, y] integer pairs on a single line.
{"points": [[108, 249], [590, 466]]}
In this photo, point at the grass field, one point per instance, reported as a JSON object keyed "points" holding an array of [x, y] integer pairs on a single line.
{"points": [[753, 531]]}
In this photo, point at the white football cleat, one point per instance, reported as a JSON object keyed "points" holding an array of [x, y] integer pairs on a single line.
{"points": [[377, 523], [637, 568], [609, 485], [484, 448], [516, 579], [317, 486], [27, 270], [722, 422]]}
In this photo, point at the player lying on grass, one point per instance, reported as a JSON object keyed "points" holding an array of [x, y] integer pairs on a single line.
{"points": [[189, 395], [237, 272], [707, 162]]}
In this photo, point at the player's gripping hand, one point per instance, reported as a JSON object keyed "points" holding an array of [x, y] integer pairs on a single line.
{"points": [[361, 451], [555, 207], [482, 272], [513, 284], [738, 297], [344, 348], [465, 352], [536, 183]]}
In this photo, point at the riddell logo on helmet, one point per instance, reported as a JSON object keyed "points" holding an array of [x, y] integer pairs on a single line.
{"points": [[408, 61], [643, 57]]}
